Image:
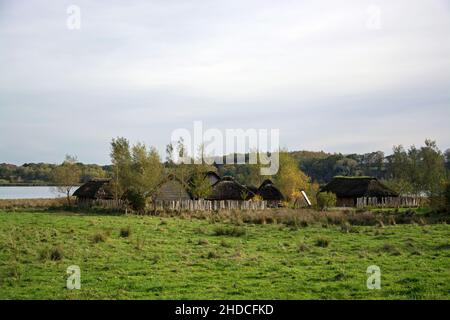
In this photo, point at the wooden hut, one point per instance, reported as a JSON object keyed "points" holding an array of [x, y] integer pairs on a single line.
{"points": [[96, 189], [229, 189], [269, 192], [349, 189], [171, 189]]}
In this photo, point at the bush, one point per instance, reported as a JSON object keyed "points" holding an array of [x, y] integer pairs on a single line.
{"points": [[233, 232], [322, 242], [212, 255], [54, 254], [202, 242], [390, 249], [136, 200], [125, 232], [302, 247], [439, 200], [99, 237], [326, 200]]}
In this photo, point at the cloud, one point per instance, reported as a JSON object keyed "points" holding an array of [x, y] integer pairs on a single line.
{"points": [[142, 69]]}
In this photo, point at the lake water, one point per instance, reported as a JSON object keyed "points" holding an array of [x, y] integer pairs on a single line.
{"points": [[30, 192]]}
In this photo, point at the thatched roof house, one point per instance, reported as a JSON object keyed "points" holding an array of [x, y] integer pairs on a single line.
{"points": [[229, 189], [171, 189], [348, 189], [94, 189], [212, 177], [269, 192]]}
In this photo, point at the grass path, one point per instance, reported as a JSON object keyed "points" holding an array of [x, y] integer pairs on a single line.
{"points": [[174, 258]]}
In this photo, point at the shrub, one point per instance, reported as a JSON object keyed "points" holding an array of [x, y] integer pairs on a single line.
{"points": [[125, 232], [54, 253], [225, 244], [212, 255], [202, 242], [326, 200], [99, 237], [136, 200], [391, 249], [322, 242], [302, 247], [200, 230], [224, 231]]}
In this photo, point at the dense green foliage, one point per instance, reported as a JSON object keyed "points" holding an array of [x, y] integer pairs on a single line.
{"points": [[413, 171], [173, 258], [326, 200], [41, 173]]}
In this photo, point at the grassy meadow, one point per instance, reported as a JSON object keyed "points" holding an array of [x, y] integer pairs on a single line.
{"points": [[151, 257]]}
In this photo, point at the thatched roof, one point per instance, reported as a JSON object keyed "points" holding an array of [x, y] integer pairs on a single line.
{"points": [[268, 191], [355, 187], [172, 189], [94, 189], [229, 189], [213, 177]]}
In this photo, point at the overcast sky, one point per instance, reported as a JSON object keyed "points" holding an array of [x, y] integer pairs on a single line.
{"points": [[331, 75]]}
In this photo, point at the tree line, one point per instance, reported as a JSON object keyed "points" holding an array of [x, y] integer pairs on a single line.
{"points": [[138, 169]]}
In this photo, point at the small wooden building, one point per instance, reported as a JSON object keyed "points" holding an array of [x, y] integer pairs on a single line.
{"points": [[95, 189], [349, 189], [171, 189], [269, 192], [229, 189]]}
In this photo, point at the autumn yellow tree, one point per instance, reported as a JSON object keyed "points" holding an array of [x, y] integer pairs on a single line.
{"points": [[290, 179]]}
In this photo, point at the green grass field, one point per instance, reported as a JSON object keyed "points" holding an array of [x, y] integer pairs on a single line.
{"points": [[174, 258]]}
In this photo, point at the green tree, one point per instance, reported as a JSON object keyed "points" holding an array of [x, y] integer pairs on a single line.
{"points": [[413, 170], [121, 166], [326, 200], [399, 170], [200, 186], [137, 171], [147, 170], [447, 159], [447, 196], [182, 169], [67, 176], [431, 168]]}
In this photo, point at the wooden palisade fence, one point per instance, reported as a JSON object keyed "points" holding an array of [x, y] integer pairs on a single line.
{"points": [[388, 202], [186, 205], [207, 205]]}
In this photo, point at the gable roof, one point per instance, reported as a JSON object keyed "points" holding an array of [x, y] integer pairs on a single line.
{"points": [[268, 191], [229, 189], [351, 187], [171, 189], [94, 189], [212, 176]]}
